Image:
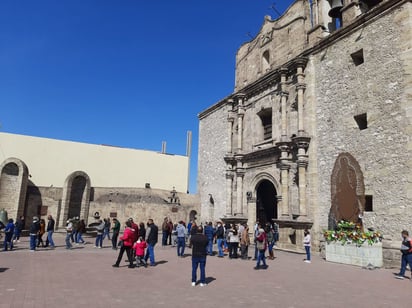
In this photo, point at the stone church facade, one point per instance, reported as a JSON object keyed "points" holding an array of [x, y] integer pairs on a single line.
{"points": [[318, 126]]}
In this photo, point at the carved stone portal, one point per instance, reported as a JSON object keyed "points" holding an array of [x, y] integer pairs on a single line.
{"points": [[348, 191]]}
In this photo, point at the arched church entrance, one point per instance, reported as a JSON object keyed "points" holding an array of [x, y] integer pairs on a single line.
{"points": [[266, 202]]}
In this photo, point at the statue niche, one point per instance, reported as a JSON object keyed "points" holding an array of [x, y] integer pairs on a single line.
{"points": [[348, 191]]}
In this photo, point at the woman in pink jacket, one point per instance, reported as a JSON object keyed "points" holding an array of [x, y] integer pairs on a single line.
{"points": [[127, 244]]}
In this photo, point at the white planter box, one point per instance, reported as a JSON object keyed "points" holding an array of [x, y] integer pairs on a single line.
{"points": [[354, 255]]}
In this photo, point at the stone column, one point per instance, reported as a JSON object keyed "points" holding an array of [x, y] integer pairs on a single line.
{"points": [[240, 172], [302, 143], [302, 187], [300, 87], [284, 179], [229, 185], [240, 115], [230, 121], [284, 96]]}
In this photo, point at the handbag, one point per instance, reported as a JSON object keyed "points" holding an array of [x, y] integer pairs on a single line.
{"points": [[260, 245]]}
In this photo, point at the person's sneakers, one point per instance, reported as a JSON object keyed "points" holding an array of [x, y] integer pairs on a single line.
{"points": [[256, 267], [131, 266], [202, 284], [193, 284], [265, 266], [115, 265], [399, 277], [307, 261]]}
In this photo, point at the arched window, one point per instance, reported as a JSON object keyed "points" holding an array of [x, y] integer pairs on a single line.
{"points": [[265, 61]]}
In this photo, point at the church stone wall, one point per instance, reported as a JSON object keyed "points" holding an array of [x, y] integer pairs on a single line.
{"points": [[378, 87], [214, 137]]}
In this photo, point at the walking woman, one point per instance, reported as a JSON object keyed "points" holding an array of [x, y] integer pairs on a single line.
{"points": [[127, 244]]}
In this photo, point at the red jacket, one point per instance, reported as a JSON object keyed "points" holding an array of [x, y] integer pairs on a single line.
{"points": [[128, 237], [262, 238], [140, 247]]}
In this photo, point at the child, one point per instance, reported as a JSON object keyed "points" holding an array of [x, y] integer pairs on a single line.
{"points": [[306, 243], [140, 247]]}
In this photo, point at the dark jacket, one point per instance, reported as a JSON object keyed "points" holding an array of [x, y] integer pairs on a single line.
{"points": [[34, 227], [199, 243], [152, 235], [81, 227], [220, 232], [50, 225], [209, 232]]}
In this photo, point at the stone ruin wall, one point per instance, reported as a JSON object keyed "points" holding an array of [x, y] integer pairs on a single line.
{"points": [[140, 204]]}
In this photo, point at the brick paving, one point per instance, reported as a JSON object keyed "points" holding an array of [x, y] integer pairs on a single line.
{"points": [[84, 276]]}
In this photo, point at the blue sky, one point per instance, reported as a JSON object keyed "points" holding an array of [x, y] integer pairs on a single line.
{"points": [[129, 73]]}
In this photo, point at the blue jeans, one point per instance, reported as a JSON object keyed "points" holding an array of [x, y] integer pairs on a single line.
{"points": [[68, 240], [220, 247], [80, 238], [99, 240], [17, 233], [307, 249], [261, 257], [8, 241], [270, 246], [181, 246], [33, 241], [210, 246], [50, 238], [406, 259], [165, 235], [106, 233], [150, 254], [195, 263]]}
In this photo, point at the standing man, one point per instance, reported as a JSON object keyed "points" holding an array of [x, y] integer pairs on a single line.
{"points": [[220, 236], [406, 249], [152, 233], [69, 232], [33, 231], [8, 231], [199, 242], [50, 231], [99, 236], [115, 235], [18, 227], [165, 231], [181, 239], [210, 233]]}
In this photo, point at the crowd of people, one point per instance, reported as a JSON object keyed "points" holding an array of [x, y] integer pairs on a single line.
{"points": [[138, 241]]}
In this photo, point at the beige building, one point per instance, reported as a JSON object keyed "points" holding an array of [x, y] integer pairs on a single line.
{"points": [[41, 176], [318, 127]]}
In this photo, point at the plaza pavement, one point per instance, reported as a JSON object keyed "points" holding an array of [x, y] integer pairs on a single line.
{"points": [[84, 277]]}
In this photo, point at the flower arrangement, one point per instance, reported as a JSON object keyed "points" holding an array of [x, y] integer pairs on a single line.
{"points": [[349, 232]]}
